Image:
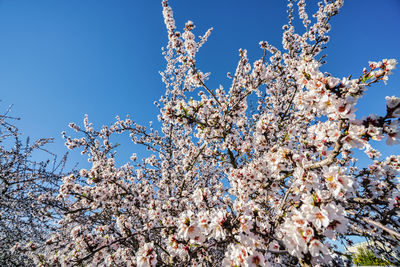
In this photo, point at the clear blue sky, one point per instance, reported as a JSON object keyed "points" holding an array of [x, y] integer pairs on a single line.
{"points": [[62, 59]]}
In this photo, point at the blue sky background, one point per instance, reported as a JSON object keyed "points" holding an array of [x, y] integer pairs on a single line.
{"points": [[62, 59]]}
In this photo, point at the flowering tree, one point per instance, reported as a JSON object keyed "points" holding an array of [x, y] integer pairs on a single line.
{"points": [[24, 214], [227, 184]]}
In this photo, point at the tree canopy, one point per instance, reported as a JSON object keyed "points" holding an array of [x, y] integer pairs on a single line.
{"points": [[262, 173]]}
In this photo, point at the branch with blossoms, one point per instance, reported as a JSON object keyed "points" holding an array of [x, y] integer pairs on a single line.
{"points": [[229, 185], [27, 188]]}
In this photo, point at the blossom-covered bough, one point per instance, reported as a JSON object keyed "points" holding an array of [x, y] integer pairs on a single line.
{"points": [[229, 184], [25, 215]]}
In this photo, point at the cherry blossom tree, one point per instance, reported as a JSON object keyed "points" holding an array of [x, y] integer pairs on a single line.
{"points": [[227, 183], [24, 214]]}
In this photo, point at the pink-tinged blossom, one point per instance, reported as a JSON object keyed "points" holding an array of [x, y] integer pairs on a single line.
{"points": [[146, 256], [217, 225], [256, 260], [316, 248], [318, 217], [392, 102], [393, 133]]}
